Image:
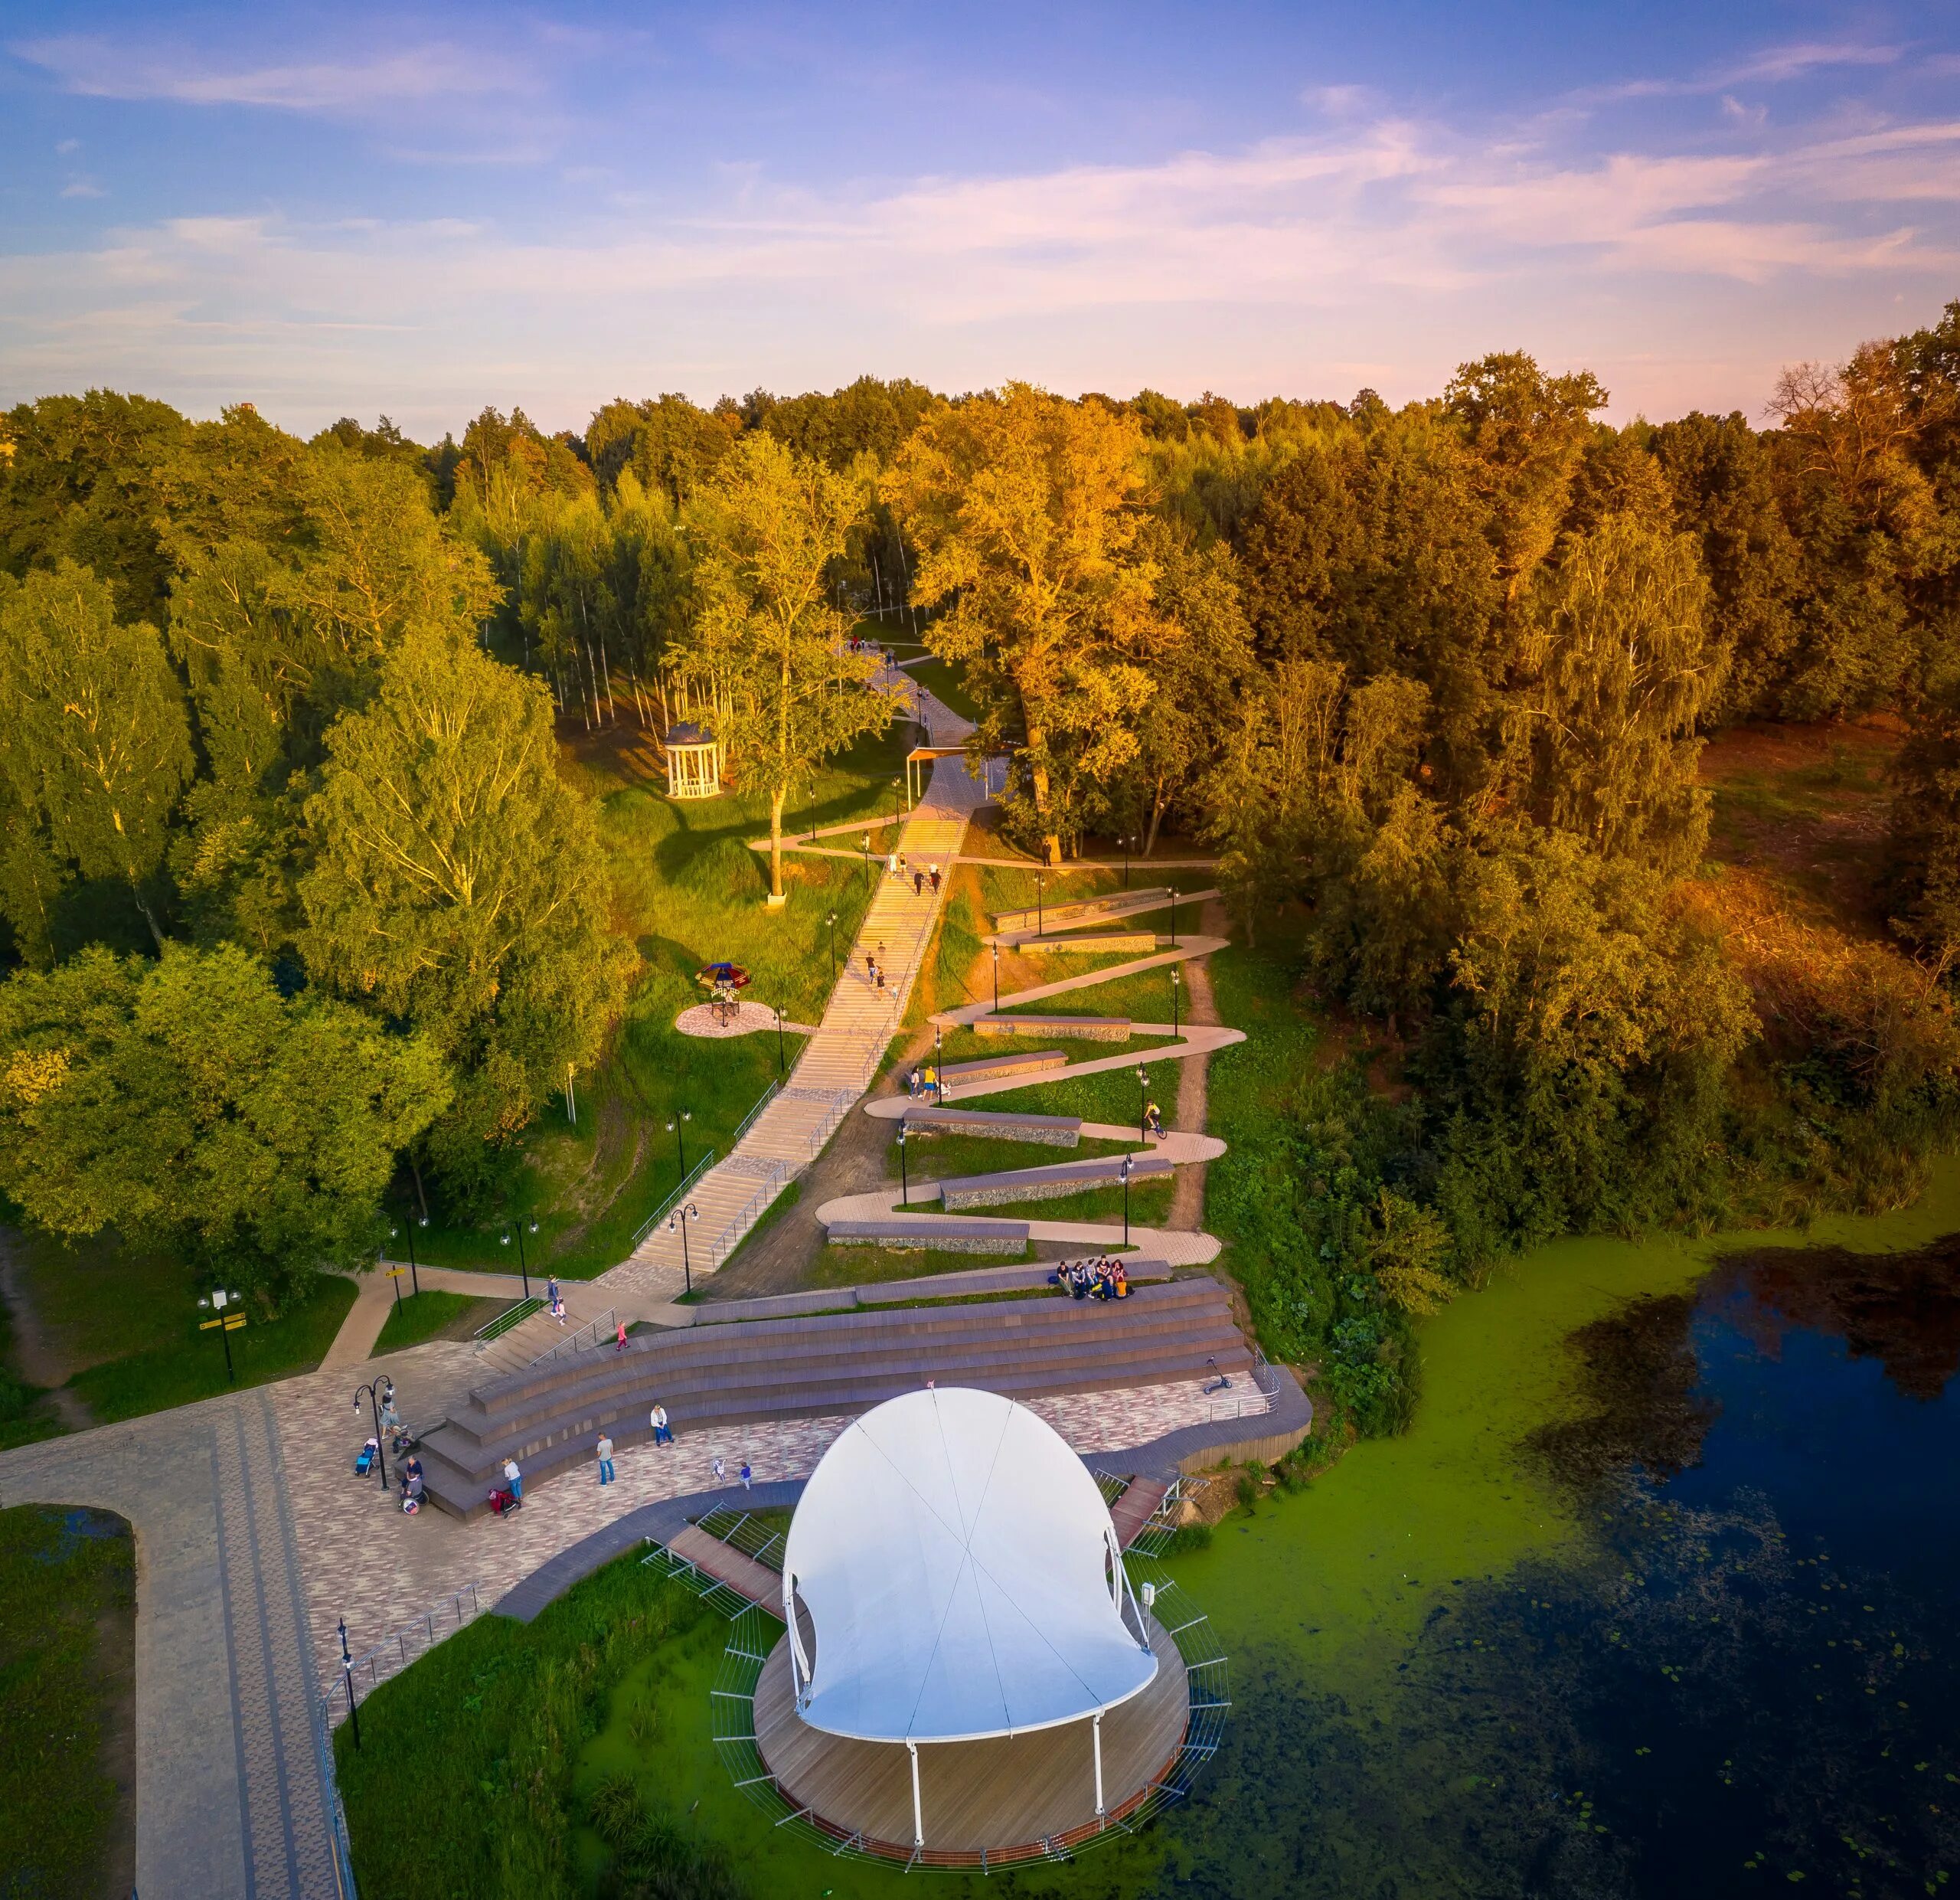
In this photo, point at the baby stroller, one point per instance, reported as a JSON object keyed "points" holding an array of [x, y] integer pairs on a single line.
{"points": [[503, 1501], [364, 1463], [402, 1443], [411, 1500]]}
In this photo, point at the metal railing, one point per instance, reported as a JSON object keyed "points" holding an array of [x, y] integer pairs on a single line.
{"points": [[744, 1531], [768, 1187], [687, 1182], [511, 1315], [392, 1654], [589, 1334], [1244, 1402], [762, 1102]]}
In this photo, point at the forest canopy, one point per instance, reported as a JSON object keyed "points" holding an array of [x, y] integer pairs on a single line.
{"points": [[283, 721]]}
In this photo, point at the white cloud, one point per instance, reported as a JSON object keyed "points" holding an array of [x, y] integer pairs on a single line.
{"points": [[110, 69], [81, 187], [68, 145], [1773, 65]]}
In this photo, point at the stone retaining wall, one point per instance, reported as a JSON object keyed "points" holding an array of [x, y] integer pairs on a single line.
{"points": [[1085, 1028]]}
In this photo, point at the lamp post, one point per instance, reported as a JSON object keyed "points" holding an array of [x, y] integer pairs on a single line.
{"points": [[524, 1265], [904, 1180], [896, 815], [679, 1219], [223, 1324], [380, 1444], [674, 1128], [1175, 982], [997, 979], [1040, 922], [414, 1277], [1142, 1102], [833, 933], [866, 848], [779, 1070], [379, 1260], [1127, 841], [1173, 917], [1123, 1174], [347, 1671]]}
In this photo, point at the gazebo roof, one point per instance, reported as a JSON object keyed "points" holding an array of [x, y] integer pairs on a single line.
{"points": [[688, 733], [962, 1575]]}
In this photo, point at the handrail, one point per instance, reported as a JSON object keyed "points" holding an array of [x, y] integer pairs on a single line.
{"points": [[395, 1645], [598, 1329], [762, 1102], [659, 1214], [514, 1314]]}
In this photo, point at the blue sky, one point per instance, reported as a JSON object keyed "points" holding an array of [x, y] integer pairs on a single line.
{"points": [[418, 212]]}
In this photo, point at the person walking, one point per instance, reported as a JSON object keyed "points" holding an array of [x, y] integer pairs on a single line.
{"points": [[870, 968], [513, 1478], [720, 1469], [891, 864], [605, 1459], [747, 1475], [912, 1084], [663, 1433], [620, 1347], [878, 977], [934, 875]]}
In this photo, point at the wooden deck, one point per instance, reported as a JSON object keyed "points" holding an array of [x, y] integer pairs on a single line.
{"points": [[1004, 1797], [712, 1557]]}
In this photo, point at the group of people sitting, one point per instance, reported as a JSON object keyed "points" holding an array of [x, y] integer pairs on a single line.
{"points": [[1103, 1278]]}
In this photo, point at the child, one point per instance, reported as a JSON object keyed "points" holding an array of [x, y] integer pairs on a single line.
{"points": [[746, 1474]]}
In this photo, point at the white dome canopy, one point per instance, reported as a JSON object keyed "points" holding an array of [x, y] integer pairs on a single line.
{"points": [[962, 1576]]}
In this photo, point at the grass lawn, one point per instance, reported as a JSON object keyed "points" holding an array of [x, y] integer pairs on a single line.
{"points": [[435, 1315], [67, 1690], [190, 1365], [869, 1266], [1150, 1205], [1111, 1096], [1144, 996], [942, 1157], [25, 1416], [687, 890], [945, 680], [98, 1299]]}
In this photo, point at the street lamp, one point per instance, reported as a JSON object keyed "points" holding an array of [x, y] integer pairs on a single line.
{"points": [[833, 930], [896, 813], [996, 979], [224, 1324], [1142, 1103], [1123, 1174], [867, 849], [779, 1041], [346, 1668], [678, 1221], [904, 1180], [380, 1444], [1173, 917], [1127, 841], [1040, 925], [414, 1277], [675, 1128], [524, 1265], [1175, 982]]}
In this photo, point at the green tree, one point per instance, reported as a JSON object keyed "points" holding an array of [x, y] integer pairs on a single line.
{"points": [[188, 1104], [1026, 511], [764, 529], [1622, 671], [98, 747], [458, 885]]}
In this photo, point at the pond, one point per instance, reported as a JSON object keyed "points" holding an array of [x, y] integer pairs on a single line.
{"points": [[1658, 1597]]}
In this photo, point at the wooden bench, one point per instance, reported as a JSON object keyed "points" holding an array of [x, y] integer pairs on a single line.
{"points": [[1038, 1184], [1052, 1131], [947, 1237], [1086, 1028]]}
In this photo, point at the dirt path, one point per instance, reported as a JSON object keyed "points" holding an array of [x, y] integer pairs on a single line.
{"points": [[34, 1353], [1187, 1193]]}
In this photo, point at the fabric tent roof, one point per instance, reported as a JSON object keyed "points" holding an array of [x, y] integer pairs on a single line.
{"points": [[953, 1555]]}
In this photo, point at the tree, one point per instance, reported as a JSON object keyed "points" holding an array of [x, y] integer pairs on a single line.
{"points": [[188, 1104], [98, 747], [1026, 511], [764, 529], [458, 886], [1622, 670]]}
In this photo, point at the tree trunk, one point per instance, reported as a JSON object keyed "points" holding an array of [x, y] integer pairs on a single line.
{"points": [[1037, 778], [1156, 819], [421, 1192], [776, 804]]}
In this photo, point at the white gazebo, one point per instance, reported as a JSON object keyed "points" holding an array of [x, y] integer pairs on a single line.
{"points": [[960, 1580], [694, 761]]}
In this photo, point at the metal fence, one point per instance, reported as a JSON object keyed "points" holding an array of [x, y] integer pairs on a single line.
{"points": [[589, 1334], [366, 1673], [667, 1207]]}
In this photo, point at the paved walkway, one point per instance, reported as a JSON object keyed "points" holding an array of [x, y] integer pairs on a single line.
{"points": [[838, 1062], [232, 1799]]}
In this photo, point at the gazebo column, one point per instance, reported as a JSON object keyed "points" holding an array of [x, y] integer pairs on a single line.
{"points": [[1095, 1730], [918, 1815]]}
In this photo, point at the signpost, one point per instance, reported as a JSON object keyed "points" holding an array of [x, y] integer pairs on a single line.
{"points": [[223, 1324]]}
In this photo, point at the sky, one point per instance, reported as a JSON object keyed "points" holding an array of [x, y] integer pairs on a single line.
{"points": [[326, 211]]}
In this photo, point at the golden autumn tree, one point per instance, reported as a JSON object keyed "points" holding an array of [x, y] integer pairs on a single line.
{"points": [[1026, 511]]}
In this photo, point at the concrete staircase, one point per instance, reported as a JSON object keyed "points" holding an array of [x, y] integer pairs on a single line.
{"points": [[772, 1370]]}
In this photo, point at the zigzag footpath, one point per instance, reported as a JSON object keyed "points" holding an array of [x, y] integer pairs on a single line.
{"points": [[1179, 1147]]}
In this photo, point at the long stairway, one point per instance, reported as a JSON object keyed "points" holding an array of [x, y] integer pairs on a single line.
{"points": [[838, 1062]]}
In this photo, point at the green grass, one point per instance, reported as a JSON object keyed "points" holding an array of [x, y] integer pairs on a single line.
{"points": [[1002, 890], [945, 680], [24, 1414], [1112, 1095], [97, 1298], [191, 1366], [687, 890], [434, 1314], [1143, 997], [867, 1266], [67, 1673], [1150, 1204], [942, 1157]]}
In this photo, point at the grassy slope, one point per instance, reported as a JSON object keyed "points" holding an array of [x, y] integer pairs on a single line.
{"points": [[25, 1413], [688, 890], [435, 1315], [67, 1662]]}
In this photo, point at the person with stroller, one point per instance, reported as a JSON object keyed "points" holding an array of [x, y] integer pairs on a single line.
{"points": [[513, 1478]]}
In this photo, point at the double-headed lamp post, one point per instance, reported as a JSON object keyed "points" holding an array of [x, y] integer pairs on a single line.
{"points": [[1040, 922], [677, 1127], [215, 1303], [676, 1222], [1142, 1103], [996, 978], [1123, 1175], [833, 933], [1175, 980], [414, 1277], [904, 1180], [779, 1069], [381, 1444], [524, 1264]]}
